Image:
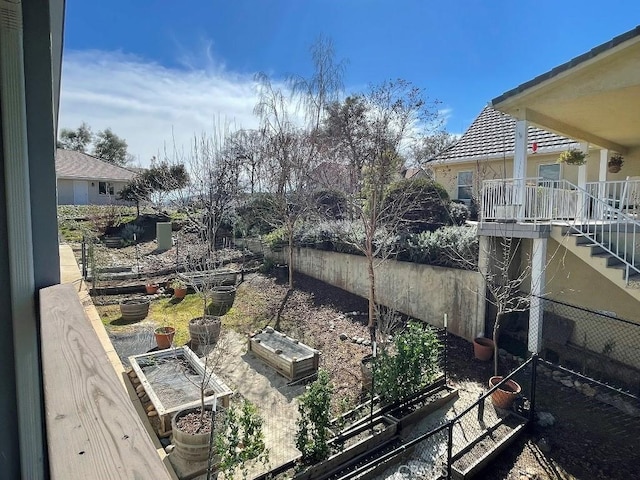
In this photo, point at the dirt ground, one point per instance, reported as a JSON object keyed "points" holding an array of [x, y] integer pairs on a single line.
{"points": [[317, 314]]}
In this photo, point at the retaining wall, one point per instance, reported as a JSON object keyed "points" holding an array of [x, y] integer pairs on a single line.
{"points": [[420, 291]]}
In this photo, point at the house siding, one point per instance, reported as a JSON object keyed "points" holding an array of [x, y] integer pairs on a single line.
{"points": [[65, 193]]}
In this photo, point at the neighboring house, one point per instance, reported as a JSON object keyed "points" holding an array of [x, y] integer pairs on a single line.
{"points": [[579, 226], [486, 151], [83, 179]]}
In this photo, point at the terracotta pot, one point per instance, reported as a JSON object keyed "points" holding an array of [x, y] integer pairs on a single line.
{"points": [[483, 348], [180, 292], [152, 288], [164, 337], [504, 396]]}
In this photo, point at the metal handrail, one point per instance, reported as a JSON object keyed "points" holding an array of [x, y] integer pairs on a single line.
{"points": [[603, 219]]}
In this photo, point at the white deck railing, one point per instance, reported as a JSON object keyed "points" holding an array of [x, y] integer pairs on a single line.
{"points": [[604, 212], [529, 200]]}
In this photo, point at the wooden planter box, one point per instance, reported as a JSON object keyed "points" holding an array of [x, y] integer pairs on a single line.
{"points": [[286, 355], [163, 376], [209, 278], [422, 406], [387, 428]]}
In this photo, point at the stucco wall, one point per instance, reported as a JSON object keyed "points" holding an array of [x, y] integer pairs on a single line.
{"points": [[420, 291], [447, 175]]}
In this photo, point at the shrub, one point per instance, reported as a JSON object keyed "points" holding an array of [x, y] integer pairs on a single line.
{"points": [[330, 204], [314, 407], [455, 247], [128, 231], [429, 202], [459, 213], [411, 364], [276, 238]]}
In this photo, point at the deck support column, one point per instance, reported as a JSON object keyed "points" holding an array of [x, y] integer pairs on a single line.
{"points": [[538, 266], [520, 167], [583, 200]]}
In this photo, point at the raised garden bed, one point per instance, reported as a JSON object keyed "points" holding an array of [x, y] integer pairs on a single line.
{"points": [[286, 355], [211, 278], [171, 379], [350, 444]]}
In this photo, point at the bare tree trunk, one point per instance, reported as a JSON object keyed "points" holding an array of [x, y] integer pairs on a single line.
{"points": [[290, 258], [496, 334], [372, 292]]}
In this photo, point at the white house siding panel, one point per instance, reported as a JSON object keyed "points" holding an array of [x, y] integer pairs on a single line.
{"points": [[421, 291], [65, 192]]}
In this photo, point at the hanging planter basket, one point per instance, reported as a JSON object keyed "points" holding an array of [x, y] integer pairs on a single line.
{"points": [[615, 164], [573, 157]]}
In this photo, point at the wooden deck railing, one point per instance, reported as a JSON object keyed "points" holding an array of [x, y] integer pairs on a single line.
{"points": [[93, 430]]}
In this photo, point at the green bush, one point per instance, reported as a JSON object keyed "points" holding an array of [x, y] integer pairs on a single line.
{"points": [[410, 365], [459, 213], [314, 407], [427, 204], [454, 247]]}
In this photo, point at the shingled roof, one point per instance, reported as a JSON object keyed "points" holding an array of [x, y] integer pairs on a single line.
{"points": [[492, 135], [78, 165]]}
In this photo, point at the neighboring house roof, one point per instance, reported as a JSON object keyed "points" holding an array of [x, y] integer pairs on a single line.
{"points": [[492, 135], [416, 172], [77, 165], [570, 64]]}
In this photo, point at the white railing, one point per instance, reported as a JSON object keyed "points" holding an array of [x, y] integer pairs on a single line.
{"points": [[529, 200], [606, 213]]}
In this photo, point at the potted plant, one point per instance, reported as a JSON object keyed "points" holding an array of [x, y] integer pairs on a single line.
{"points": [[164, 336], [151, 288], [573, 156], [615, 163], [179, 288]]}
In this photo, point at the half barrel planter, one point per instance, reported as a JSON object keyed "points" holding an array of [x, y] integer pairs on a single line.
{"points": [[192, 447], [134, 309], [221, 300], [204, 330]]}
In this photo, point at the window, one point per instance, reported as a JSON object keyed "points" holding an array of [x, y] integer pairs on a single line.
{"points": [[465, 185], [549, 173], [105, 188]]}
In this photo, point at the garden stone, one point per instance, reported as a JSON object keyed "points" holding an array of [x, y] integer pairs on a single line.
{"points": [[543, 445], [588, 391], [367, 343], [567, 382], [269, 329], [344, 336], [545, 419]]}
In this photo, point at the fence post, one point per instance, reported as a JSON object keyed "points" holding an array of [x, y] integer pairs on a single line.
{"points": [[534, 374], [84, 257], [449, 448]]}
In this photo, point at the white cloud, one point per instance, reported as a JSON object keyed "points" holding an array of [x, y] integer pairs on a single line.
{"points": [[148, 104]]}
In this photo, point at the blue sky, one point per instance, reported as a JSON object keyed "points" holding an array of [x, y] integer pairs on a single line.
{"points": [[158, 72]]}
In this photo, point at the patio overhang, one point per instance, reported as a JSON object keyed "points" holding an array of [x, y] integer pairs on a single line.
{"points": [[594, 98]]}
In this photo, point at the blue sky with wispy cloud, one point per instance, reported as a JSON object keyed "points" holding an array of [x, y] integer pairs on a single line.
{"points": [[159, 71]]}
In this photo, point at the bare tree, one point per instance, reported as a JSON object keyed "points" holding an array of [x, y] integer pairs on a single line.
{"points": [[293, 152], [373, 131]]}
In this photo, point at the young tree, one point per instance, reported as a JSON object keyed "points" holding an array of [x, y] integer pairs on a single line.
{"points": [[292, 153], [78, 139], [372, 131], [110, 147], [159, 179]]}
